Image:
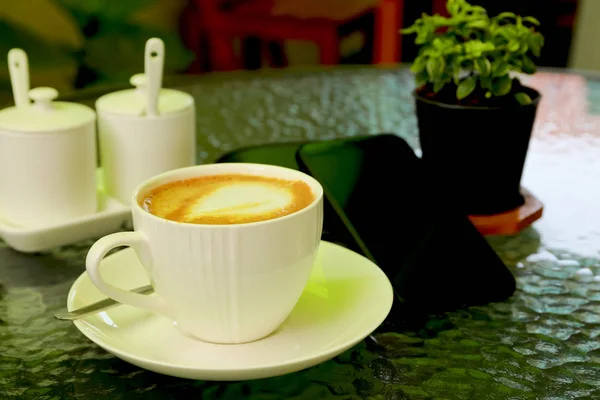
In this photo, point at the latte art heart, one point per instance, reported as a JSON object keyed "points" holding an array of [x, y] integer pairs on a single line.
{"points": [[227, 199]]}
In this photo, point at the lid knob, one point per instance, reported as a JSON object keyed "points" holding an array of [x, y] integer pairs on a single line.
{"points": [[139, 80], [141, 83], [43, 96]]}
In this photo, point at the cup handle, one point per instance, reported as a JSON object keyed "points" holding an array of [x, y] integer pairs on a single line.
{"points": [[139, 244]]}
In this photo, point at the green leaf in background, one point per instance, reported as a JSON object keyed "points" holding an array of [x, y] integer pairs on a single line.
{"points": [[529, 66], [485, 82], [114, 47], [523, 98], [41, 53], [513, 45], [484, 66], [500, 67], [116, 10], [466, 87], [477, 24], [532, 20], [502, 86], [421, 77], [506, 15], [435, 66], [118, 53], [438, 85]]}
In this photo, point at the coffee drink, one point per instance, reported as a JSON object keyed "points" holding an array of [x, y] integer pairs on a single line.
{"points": [[221, 278], [227, 199]]}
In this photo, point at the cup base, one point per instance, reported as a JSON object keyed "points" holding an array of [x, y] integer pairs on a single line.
{"points": [[220, 342]]}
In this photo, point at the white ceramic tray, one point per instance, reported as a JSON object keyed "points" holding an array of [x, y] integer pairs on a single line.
{"points": [[112, 216]]}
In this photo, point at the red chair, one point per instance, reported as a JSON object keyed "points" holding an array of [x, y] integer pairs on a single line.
{"points": [[220, 25]]}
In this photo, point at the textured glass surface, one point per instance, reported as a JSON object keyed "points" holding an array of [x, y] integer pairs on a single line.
{"points": [[542, 344]]}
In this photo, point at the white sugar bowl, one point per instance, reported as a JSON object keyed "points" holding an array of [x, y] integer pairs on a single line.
{"points": [[144, 131], [47, 154]]}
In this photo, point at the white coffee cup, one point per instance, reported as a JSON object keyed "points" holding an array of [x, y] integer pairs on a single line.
{"points": [[47, 154], [144, 131], [219, 283]]}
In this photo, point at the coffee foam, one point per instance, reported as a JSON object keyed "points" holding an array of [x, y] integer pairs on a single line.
{"points": [[227, 199], [242, 198]]}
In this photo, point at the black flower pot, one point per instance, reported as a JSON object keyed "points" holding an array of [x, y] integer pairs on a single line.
{"points": [[477, 153]]}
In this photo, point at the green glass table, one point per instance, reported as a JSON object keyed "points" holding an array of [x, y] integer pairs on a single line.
{"points": [[543, 343]]}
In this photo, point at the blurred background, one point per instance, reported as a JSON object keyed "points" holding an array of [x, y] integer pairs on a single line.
{"points": [[77, 44]]}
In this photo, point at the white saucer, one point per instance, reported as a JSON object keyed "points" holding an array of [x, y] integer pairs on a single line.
{"points": [[111, 216], [346, 299]]}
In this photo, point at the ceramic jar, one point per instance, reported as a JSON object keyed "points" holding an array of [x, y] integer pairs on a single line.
{"points": [[47, 154], [146, 130]]}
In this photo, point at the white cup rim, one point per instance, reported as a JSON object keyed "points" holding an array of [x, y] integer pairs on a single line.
{"points": [[222, 169]]}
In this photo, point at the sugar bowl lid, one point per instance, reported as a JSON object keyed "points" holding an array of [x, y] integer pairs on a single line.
{"points": [[148, 98], [44, 114]]}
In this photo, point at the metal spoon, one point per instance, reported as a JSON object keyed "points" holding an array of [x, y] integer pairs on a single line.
{"points": [[95, 308]]}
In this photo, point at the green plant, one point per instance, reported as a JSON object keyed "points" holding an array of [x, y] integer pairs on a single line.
{"points": [[475, 54]]}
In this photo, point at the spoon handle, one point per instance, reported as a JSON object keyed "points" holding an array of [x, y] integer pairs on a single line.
{"points": [[95, 308], [18, 67], [153, 66]]}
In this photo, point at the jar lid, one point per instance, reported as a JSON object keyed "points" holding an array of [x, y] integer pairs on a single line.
{"points": [[133, 101], [44, 114]]}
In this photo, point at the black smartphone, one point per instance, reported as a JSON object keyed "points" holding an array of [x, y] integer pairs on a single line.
{"points": [[434, 256], [280, 154]]}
